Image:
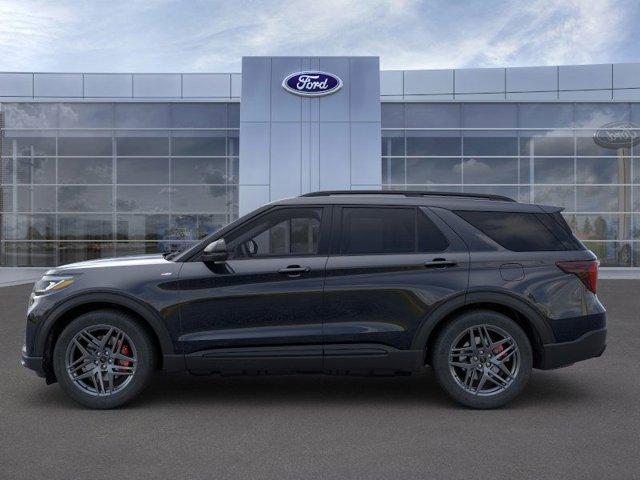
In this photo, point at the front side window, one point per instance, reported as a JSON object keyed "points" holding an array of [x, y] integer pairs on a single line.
{"points": [[288, 231], [388, 231]]}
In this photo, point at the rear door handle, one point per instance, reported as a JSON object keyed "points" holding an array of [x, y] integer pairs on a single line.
{"points": [[439, 263], [294, 270]]}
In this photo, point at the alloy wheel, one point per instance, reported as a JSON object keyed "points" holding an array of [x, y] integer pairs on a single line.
{"points": [[484, 360], [101, 360]]}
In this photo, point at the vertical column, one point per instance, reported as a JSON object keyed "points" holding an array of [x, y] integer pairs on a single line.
{"points": [[292, 145]]}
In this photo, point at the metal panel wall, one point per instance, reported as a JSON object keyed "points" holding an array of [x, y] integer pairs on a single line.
{"points": [[293, 145]]}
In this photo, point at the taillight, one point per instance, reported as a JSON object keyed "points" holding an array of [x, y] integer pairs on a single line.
{"points": [[585, 270]]}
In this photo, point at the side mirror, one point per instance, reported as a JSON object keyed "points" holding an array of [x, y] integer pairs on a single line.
{"points": [[215, 252]]}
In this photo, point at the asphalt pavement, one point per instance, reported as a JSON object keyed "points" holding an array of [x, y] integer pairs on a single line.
{"points": [[581, 422]]}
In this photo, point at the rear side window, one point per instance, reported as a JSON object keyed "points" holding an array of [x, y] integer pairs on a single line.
{"points": [[524, 232], [388, 230]]}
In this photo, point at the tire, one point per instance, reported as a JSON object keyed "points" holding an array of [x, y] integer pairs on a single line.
{"points": [[463, 378], [128, 359]]}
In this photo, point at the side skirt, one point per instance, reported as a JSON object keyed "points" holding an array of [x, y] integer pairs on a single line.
{"points": [[350, 359]]}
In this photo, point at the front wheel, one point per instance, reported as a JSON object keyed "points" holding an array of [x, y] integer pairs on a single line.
{"points": [[482, 359], [103, 359]]}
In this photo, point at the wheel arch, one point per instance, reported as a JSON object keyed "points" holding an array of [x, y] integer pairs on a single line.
{"points": [[66, 312], [520, 311]]}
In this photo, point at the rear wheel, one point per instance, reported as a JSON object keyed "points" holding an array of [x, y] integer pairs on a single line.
{"points": [[103, 359], [482, 359]]}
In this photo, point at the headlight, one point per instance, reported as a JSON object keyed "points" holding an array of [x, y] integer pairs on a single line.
{"points": [[48, 284]]}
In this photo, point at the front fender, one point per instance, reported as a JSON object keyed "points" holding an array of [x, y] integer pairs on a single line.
{"points": [[113, 297]]}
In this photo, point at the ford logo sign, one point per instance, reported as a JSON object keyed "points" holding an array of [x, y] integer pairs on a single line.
{"points": [[616, 135], [312, 84]]}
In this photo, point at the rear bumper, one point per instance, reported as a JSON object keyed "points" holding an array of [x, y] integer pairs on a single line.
{"points": [[32, 363], [589, 345]]}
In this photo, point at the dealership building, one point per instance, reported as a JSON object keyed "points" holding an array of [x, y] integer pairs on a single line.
{"points": [[99, 164]]}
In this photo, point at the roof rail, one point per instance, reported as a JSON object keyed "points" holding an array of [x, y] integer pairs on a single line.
{"points": [[409, 193]]}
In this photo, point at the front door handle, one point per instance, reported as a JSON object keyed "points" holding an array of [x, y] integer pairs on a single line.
{"points": [[294, 270], [439, 263]]}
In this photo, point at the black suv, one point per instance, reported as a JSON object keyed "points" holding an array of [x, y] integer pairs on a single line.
{"points": [[479, 287]]}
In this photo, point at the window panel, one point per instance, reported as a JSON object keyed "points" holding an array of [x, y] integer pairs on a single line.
{"points": [[490, 170], [146, 146], [602, 199], [142, 115], [27, 254], [434, 170], [490, 145], [586, 145], [432, 115], [392, 115], [553, 170], [30, 115], [85, 170], [393, 171], [602, 170], [213, 199], [90, 146], [143, 199], [85, 227], [142, 170], [490, 115], [29, 227], [36, 199], [233, 115], [598, 114], [546, 145], [199, 115], [85, 199], [602, 226], [545, 115], [199, 170], [142, 227], [440, 143], [36, 170], [31, 146], [211, 145], [392, 143], [86, 115]]}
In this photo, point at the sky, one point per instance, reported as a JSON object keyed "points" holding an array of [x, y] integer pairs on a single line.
{"points": [[212, 36]]}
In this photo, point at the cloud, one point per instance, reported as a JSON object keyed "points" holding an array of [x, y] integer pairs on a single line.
{"points": [[170, 36]]}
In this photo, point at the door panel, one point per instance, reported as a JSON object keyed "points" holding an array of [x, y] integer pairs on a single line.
{"points": [[383, 299], [249, 302], [263, 303]]}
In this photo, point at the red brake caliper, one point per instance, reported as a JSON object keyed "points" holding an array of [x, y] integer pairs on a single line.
{"points": [[125, 350], [498, 349]]}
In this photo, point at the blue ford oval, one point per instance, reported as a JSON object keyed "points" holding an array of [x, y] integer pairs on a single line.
{"points": [[312, 83]]}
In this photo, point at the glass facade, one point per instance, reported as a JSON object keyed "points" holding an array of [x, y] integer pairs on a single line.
{"points": [[534, 152], [90, 180]]}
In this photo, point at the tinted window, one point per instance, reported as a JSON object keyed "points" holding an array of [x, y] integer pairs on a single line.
{"points": [[523, 231], [294, 231], [388, 230]]}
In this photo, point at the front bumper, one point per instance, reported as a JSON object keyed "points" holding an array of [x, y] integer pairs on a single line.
{"points": [[591, 344], [33, 363]]}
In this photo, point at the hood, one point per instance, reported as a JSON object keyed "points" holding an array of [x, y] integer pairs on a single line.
{"points": [[132, 261]]}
